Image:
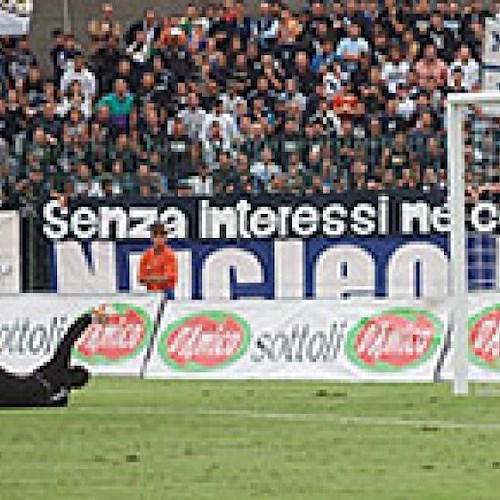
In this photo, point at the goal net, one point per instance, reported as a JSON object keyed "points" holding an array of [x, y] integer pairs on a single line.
{"points": [[473, 124]]}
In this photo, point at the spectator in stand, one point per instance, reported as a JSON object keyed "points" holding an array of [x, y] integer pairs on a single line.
{"points": [[49, 121], [149, 25], [124, 72], [171, 36], [178, 154], [293, 181], [264, 170], [120, 104], [351, 47], [431, 68], [124, 150], [21, 60], [32, 89], [467, 67], [222, 172], [139, 53], [70, 49], [102, 29], [329, 101], [267, 25], [152, 137], [105, 64], [139, 50], [39, 153], [305, 78], [214, 143], [197, 40], [98, 147], [405, 103], [395, 71], [194, 117], [103, 119], [455, 81], [441, 38], [226, 122], [16, 119], [203, 183], [84, 185], [58, 54], [397, 157], [240, 182], [78, 72], [189, 20]]}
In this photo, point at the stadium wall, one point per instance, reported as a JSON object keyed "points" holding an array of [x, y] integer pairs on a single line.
{"points": [[366, 303]]}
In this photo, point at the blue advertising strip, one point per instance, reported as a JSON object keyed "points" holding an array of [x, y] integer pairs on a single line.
{"points": [[380, 251], [263, 250]]}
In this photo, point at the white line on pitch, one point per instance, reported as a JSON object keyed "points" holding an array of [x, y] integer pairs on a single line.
{"points": [[293, 417]]}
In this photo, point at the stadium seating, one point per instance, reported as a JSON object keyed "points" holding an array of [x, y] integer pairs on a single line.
{"points": [[213, 101]]}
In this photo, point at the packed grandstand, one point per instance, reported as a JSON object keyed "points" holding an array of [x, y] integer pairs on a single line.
{"points": [[327, 99]]}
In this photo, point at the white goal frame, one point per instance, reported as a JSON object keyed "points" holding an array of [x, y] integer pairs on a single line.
{"points": [[456, 104]]}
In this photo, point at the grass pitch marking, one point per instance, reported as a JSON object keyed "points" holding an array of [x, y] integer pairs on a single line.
{"points": [[263, 415]]}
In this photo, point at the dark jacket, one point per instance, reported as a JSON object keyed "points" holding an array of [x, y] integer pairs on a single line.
{"points": [[50, 384]]}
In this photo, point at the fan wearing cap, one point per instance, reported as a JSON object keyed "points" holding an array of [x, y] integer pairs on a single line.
{"points": [[158, 265]]}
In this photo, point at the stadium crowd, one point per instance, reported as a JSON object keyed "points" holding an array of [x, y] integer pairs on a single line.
{"points": [[327, 99]]}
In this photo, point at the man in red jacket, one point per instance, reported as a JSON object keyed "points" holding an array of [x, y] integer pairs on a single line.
{"points": [[158, 265], [158, 271]]}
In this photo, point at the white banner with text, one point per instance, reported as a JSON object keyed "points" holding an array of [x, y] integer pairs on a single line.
{"points": [[31, 326], [483, 339], [317, 339], [252, 339]]}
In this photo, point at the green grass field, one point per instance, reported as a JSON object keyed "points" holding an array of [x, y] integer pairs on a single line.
{"points": [[130, 439]]}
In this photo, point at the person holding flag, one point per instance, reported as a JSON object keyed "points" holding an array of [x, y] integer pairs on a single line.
{"points": [[158, 272]]}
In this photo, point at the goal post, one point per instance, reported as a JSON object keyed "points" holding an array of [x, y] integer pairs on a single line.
{"points": [[457, 104]]}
